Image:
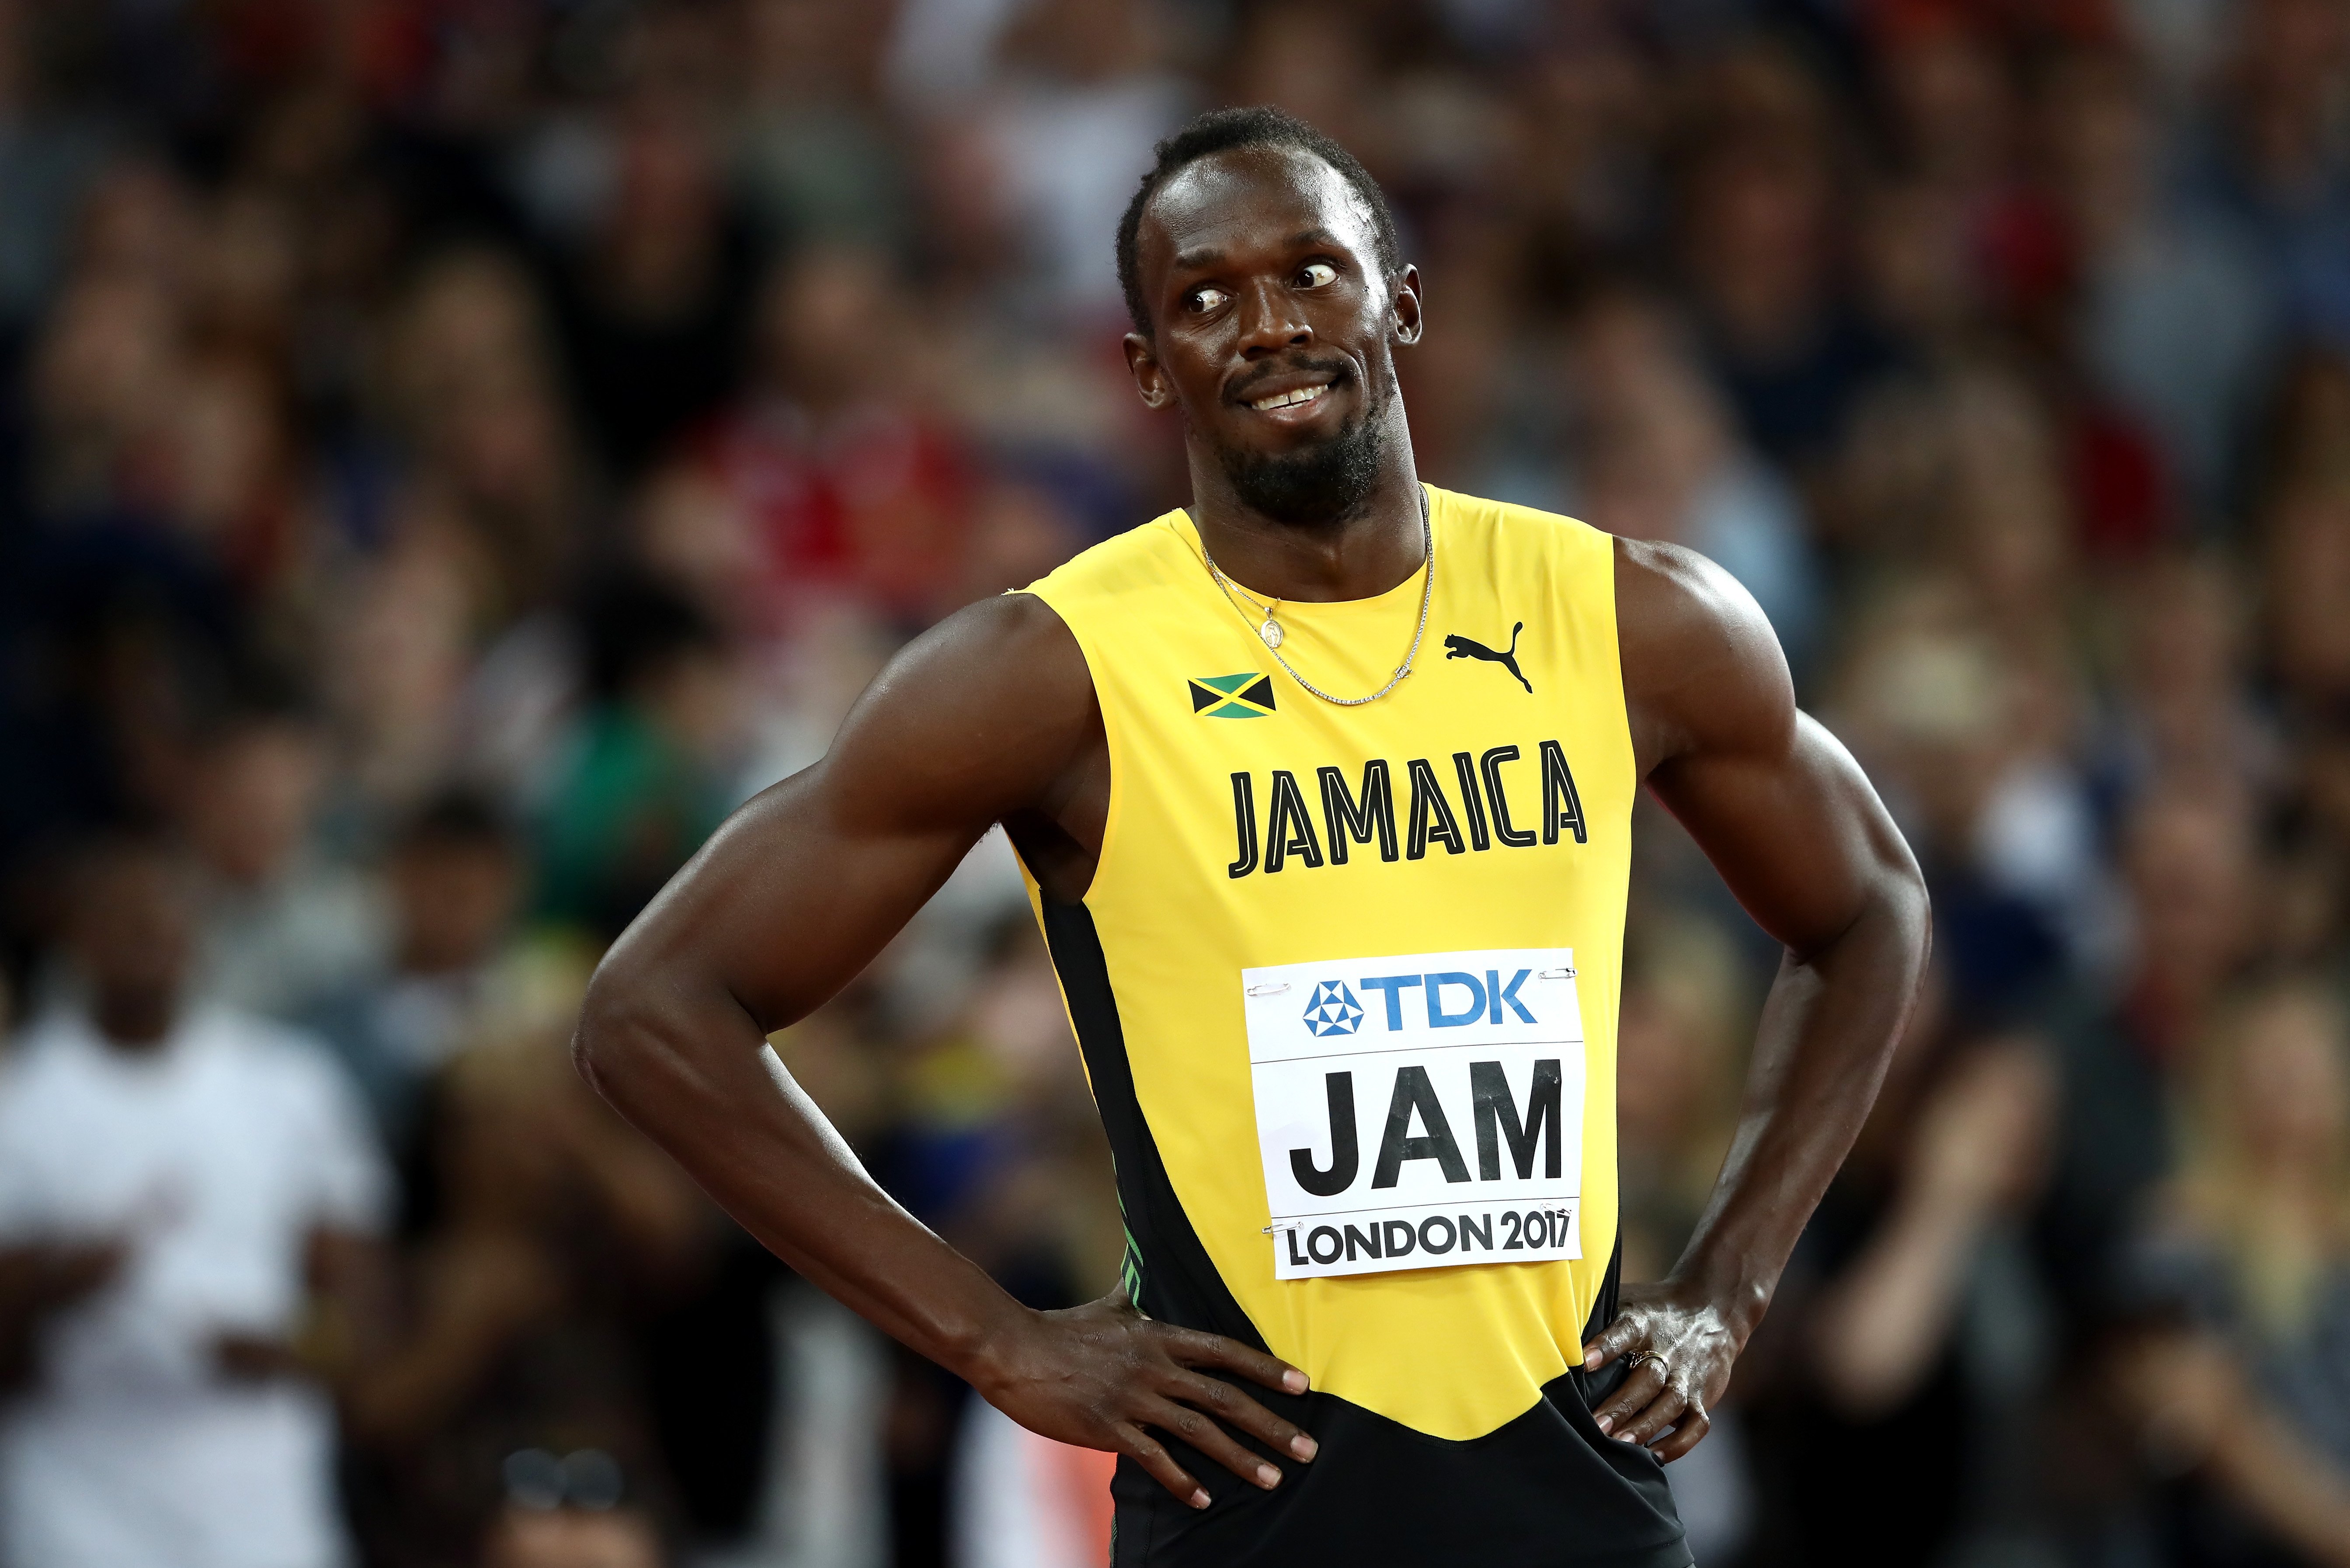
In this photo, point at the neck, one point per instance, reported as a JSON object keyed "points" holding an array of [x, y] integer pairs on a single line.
{"points": [[1355, 558], [135, 1021]]}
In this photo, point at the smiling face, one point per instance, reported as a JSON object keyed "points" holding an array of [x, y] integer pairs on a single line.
{"points": [[1274, 329]]}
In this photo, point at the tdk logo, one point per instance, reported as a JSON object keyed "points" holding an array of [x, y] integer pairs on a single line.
{"points": [[1453, 999], [1333, 1010]]}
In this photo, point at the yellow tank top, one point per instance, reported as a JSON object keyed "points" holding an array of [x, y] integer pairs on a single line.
{"points": [[1421, 898]]}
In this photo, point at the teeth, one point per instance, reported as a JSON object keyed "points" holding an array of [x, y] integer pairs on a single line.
{"points": [[1288, 399]]}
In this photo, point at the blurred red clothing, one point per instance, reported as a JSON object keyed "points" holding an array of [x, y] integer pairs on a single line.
{"points": [[869, 503]]}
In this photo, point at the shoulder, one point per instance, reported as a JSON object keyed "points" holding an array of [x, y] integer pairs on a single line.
{"points": [[981, 715], [1509, 525], [1014, 649], [1138, 562], [1702, 669], [272, 1060], [1558, 558], [42, 1060]]}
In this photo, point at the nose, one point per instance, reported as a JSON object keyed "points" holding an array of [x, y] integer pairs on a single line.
{"points": [[1271, 322]]}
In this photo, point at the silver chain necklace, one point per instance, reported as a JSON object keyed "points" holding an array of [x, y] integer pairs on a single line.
{"points": [[1271, 633]]}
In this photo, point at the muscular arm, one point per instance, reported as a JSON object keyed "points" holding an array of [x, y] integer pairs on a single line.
{"points": [[1794, 827], [990, 717]]}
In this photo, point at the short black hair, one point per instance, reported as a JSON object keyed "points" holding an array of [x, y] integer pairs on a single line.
{"points": [[1222, 130], [633, 623], [457, 817]]}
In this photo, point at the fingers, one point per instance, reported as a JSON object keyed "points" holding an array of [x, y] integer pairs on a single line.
{"points": [[1658, 1414], [1151, 1454], [1689, 1431], [1229, 1405], [1210, 1439], [1617, 1338], [1647, 1381], [1194, 1348]]}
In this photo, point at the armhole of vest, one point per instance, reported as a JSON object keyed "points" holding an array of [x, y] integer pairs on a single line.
{"points": [[1112, 737], [1607, 599]]}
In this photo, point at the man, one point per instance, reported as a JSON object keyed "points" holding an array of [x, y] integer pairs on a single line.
{"points": [[175, 1185], [283, 925], [455, 875], [1338, 919]]}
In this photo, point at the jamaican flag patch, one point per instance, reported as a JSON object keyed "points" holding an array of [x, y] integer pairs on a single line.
{"points": [[1248, 695]]}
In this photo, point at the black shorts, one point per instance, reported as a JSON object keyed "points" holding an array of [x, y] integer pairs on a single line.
{"points": [[1546, 1491]]}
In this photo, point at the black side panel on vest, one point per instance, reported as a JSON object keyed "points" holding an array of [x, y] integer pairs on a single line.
{"points": [[1596, 1387], [1180, 1285]]}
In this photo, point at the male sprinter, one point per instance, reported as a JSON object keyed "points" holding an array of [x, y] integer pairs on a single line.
{"points": [[1339, 921]]}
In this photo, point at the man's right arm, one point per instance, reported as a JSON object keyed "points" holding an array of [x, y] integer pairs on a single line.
{"points": [[990, 716]]}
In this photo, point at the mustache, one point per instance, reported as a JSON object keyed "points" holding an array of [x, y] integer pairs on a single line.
{"points": [[1339, 372]]}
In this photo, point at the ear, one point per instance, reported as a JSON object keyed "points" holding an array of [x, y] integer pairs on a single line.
{"points": [[1149, 378], [1406, 307]]}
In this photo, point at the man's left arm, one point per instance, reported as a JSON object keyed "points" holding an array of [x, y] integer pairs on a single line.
{"points": [[1791, 822]]}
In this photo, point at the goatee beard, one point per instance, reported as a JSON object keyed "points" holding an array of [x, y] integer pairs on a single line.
{"points": [[1326, 483]]}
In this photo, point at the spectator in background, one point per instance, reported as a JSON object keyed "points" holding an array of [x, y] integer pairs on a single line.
{"points": [[1082, 97], [455, 875], [1949, 105], [283, 922], [1656, 459], [854, 485], [395, 663], [641, 781], [557, 1235], [2244, 1401], [1678, 1069], [469, 380], [2305, 568], [2277, 162], [1676, 1080], [1759, 190], [185, 1195], [2175, 325], [1944, 714], [1886, 1347], [2187, 720], [2189, 865], [820, 163], [996, 1145], [651, 314]]}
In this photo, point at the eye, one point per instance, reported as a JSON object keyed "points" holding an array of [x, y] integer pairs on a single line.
{"points": [[1199, 301], [1316, 274]]}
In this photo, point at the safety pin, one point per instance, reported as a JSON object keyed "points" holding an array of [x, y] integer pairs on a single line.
{"points": [[1556, 974], [1273, 990]]}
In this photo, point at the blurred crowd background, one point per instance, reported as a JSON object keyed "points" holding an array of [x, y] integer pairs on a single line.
{"points": [[452, 450]]}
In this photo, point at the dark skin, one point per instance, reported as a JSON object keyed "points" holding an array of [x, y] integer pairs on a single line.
{"points": [[1261, 272]]}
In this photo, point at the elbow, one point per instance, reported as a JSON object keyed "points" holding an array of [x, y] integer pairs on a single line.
{"points": [[1885, 920], [1913, 909], [1896, 908], [612, 1026], [1901, 946]]}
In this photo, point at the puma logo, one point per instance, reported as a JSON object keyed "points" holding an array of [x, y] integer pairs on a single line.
{"points": [[1459, 647]]}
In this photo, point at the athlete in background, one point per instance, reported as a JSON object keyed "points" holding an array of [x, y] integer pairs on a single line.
{"points": [[1269, 300]]}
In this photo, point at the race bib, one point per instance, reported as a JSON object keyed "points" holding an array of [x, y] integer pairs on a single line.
{"points": [[1421, 1111]]}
